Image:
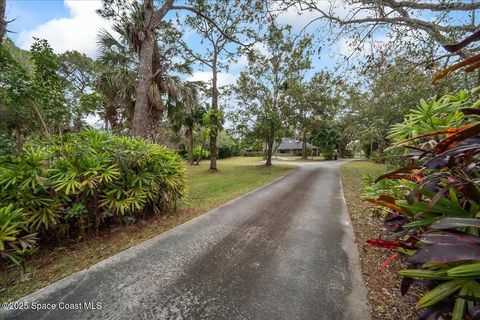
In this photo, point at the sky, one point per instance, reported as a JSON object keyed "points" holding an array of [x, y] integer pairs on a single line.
{"points": [[74, 25]]}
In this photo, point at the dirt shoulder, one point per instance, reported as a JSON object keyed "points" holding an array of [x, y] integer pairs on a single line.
{"points": [[383, 284]]}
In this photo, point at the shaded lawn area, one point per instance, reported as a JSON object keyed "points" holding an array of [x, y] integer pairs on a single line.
{"points": [[207, 190], [297, 158], [237, 176], [384, 296]]}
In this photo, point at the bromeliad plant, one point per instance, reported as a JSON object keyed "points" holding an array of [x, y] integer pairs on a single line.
{"points": [[73, 184], [435, 224]]}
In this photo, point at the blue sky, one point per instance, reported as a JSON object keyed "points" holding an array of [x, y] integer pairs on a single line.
{"points": [[73, 25], [29, 14]]}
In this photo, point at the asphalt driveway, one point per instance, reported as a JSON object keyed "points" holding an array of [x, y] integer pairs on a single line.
{"points": [[285, 251]]}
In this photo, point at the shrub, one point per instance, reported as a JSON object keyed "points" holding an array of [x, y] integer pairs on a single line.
{"points": [[71, 185], [327, 137], [227, 147], [378, 157], [434, 222], [328, 154], [205, 154], [15, 240]]}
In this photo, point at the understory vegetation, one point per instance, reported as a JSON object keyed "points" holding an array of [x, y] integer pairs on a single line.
{"points": [[432, 203], [383, 282], [72, 185]]}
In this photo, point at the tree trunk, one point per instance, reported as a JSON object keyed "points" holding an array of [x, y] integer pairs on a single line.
{"points": [[342, 150], [145, 78], [213, 117], [381, 147], [304, 144], [77, 123], [269, 152], [3, 22], [189, 134], [18, 138]]}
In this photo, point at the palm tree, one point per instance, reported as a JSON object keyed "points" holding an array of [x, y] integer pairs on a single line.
{"points": [[118, 88], [328, 139], [119, 51], [186, 113]]}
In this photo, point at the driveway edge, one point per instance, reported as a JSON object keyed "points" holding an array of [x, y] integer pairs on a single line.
{"points": [[358, 306]]}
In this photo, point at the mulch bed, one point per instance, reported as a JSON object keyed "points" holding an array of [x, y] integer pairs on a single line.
{"points": [[383, 284]]}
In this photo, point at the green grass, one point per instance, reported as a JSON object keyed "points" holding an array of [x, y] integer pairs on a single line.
{"points": [[352, 173], [354, 170], [235, 177], [207, 190]]}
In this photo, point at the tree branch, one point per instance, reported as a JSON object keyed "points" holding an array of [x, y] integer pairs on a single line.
{"points": [[199, 13], [160, 13], [194, 55], [452, 6], [433, 29]]}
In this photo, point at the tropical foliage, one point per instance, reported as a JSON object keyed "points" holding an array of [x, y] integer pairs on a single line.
{"points": [[75, 184], [327, 138], [432, 204]]}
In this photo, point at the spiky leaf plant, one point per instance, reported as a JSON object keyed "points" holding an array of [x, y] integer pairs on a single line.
{"points": [[68, 185]]}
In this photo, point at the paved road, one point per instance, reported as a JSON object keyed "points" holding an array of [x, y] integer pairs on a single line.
{"points": [[285, 251]]}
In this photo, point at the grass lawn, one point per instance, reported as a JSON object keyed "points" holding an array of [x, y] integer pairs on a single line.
{"points": [[207, 190], [297, 158], [383, 284], [236, 176]]}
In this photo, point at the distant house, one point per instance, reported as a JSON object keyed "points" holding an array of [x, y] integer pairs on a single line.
{"points": [[292, 147]]}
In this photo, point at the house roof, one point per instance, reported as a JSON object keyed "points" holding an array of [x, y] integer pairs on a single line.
{"points": [[292, 144]]}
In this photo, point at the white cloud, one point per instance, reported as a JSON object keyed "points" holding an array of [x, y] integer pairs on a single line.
{"points": [[295, 17], [381, 40], [76, 32], [223, 78], [240, 64], [299, 17]]}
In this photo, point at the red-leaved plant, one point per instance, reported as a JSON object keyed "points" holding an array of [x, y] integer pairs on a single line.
{"points": [[435, 225]]}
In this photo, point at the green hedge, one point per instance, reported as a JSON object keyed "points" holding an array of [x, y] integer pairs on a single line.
{"points": [[73, 185]]}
